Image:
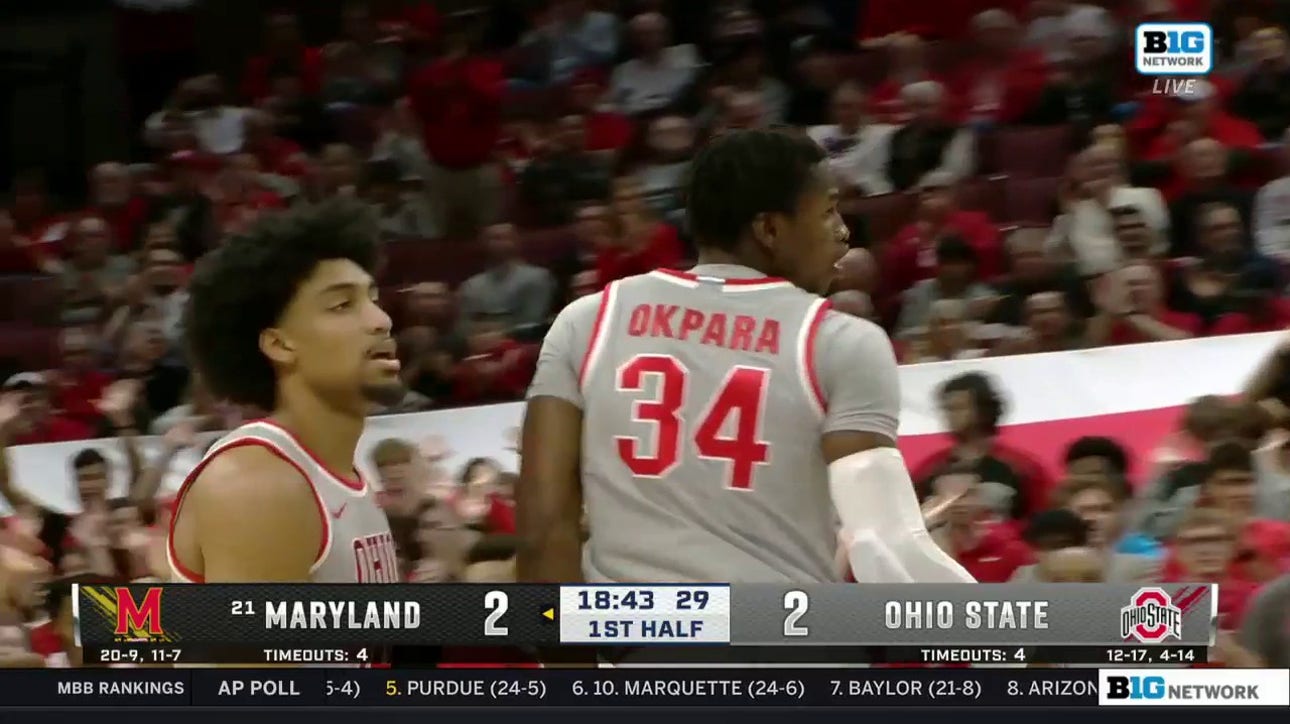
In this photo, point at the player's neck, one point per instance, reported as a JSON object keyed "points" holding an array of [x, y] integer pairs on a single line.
{"points": [[719, 256], [330, 434]]}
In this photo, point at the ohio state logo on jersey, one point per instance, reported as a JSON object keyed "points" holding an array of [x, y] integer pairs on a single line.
{"points": [[375, 560]]}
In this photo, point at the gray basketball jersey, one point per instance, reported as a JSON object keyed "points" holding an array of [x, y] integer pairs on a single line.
{"points": [[701, 433], [356, 546]]}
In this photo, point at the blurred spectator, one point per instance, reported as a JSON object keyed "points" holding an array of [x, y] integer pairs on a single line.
{"points": [[642, 242], [17, 253], [496, 368], [1205, 181], [1079, 88], [607, 130], [346, 81], [28, 416], [399, 140], [1049, 327], [283, 52], [1231, 487], [1001, 81], [1131, 309], [1263, 97], [380, 57], [241, 194], [113, 199], [458, 99], [298, 115], [564, 174], [1195, 113], [201, 100], [426, 363], [1096, 184], [510, 292], [155, 295], [1055, 529], [401, 213], [1138, 241], [928, 142], [93, 274], [991, 552], [428, 304], [276, 155], [569, 37], [1229, 277], [1272, 211], [855, 147], [1206, 549], [738, 111], [947, 335], [340, 171], [1057, 21], [746, 72], [79, 385], [187, 208], [908, 65], [1092, 455], [814, 74], [1272, 469], [1031, 271], [1103, 506], [593, 231], [669, 146], [973, 409], [1072, 564], [956, 272], [910, 256], [1266, 628], [659, 74], [146, 357]]}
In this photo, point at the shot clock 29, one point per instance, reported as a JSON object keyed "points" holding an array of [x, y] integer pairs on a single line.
{"points": [[655, 614]]}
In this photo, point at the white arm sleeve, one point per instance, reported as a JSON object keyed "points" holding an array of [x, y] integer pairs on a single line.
{"points": [[875, 497]]}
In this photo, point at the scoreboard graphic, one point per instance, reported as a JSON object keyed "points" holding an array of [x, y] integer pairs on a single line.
{"points": [[828, 623]]}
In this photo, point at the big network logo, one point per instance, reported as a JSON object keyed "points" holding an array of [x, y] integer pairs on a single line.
{"points": [[1194, 687], [1174, 48]]}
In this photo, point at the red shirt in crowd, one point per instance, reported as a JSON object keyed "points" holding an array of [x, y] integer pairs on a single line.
{"points": [[501, 515], [1267, 543], [276, 155], [951, 19], [1234, 593], [459, 104], [910, 257], [1277, 318], [1017, 85], [998, 554], [608, 131], [77, 397], [663, 250], [1124, 333], [126, 221], [257, 84], [470, 385]]}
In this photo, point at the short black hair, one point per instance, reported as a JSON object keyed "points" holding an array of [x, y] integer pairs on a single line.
{"points": [[1098, 447], [741, 174], [1228, 455], [244, 286], [87, 457], [1060, 527], [953, 249], [989, 404]]}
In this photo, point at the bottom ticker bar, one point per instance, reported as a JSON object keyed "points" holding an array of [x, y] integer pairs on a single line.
{"points": [[595, 687]]}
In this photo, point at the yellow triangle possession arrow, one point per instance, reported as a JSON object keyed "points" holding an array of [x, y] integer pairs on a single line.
{"points": [[549, 614]]}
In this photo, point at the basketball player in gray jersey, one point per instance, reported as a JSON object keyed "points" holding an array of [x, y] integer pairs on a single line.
{"points": [[285, 317], [718, 423]]}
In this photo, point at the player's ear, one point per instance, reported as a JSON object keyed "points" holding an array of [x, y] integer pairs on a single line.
{"points": [[765, 230], [275, 345]]}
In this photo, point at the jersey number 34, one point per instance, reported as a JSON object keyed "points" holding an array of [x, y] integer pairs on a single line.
{"points": [[741, 394]]}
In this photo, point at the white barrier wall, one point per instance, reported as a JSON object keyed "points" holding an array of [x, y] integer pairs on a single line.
{"points": [[1041, 388]]}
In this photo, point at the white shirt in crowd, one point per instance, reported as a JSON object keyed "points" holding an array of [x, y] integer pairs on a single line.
{"points": [[1272, 218], [218, 130], [1088, 230], [857, 159], [638, 86]]}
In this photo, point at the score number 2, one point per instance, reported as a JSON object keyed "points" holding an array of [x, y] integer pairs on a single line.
{"points": [[742, 393], [496, 603], [796, 603]]}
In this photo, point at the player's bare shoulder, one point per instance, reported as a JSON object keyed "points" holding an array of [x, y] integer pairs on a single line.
{"points": [[250, 482]]}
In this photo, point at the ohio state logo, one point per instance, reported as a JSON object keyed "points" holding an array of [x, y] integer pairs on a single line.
{"points": [[1151, 617]]}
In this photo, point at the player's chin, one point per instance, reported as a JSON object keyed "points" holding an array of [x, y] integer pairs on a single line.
{"points": [[385, 392]]}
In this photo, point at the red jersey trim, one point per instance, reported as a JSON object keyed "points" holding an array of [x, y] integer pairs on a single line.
{"points": [[673, 275], [354, 482], [810, 331], [193, 577], [608, 298]]}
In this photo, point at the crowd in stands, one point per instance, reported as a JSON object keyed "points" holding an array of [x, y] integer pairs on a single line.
{"points": [[1012, 184]]}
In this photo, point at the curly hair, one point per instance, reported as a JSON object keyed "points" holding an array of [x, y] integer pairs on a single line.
{"points": [[245, 286], [989, 404], [741, 174]]}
